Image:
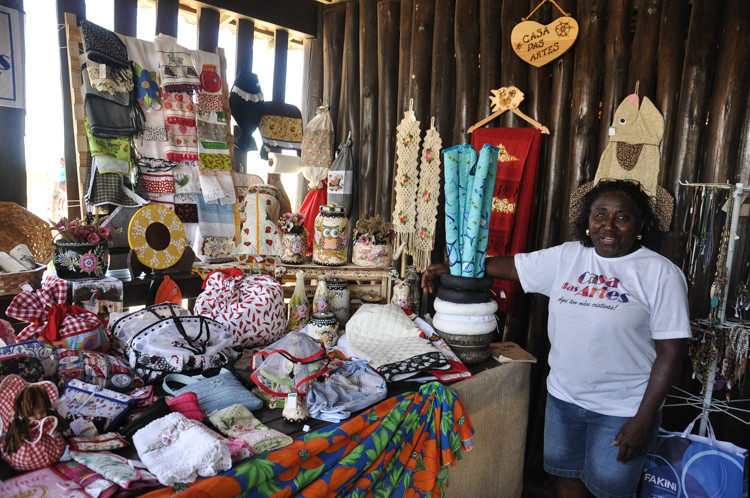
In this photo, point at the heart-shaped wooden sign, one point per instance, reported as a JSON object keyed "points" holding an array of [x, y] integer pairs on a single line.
{"points": [[538, 44]]}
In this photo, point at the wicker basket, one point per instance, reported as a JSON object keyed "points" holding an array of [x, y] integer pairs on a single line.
{"points": [[20, 226], [10, 283]]}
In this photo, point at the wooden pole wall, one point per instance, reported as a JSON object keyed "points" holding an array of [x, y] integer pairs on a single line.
{"points": [[333, 40], [125, 17], [280, 55], [208, 30]]}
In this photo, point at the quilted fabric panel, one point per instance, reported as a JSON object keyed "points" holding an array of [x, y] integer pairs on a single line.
{"points": [[384, 334]]}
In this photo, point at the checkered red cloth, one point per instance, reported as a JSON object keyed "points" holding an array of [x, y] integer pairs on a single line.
{"points": [[50, 315]]}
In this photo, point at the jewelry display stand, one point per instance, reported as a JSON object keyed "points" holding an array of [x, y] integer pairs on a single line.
{"points": [[717, 315]]}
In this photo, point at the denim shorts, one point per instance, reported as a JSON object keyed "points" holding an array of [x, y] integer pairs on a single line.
{"points": [[578, 444]]}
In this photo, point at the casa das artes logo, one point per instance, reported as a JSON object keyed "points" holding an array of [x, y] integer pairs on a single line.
{"points": [[4, 63], [595, 291]]}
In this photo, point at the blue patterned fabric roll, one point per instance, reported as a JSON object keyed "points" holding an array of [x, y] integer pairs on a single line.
{"points": [[450, 160]]}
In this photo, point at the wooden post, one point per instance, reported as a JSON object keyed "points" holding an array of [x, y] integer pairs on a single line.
{"points": [[690, 116], [166, 17], [348, 116], [388, 62], [75, 201], [467, 68], [421, 51], [490, 53], [645, 48], [514, 70], [280, 51], [443, 104], [674, 19], [245, 38], [312, 74], [587, 79], [208, 30], [616, 56], [125, 17], [729, 95], [368, 127], [334, 18], [404, 61]]}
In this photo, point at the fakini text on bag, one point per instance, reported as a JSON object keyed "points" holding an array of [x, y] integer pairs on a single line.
{"points": [[690, 466]]}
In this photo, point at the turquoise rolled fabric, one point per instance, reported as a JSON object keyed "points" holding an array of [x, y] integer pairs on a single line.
{"points": [[472, 214], [450, 162], [484, 220]]}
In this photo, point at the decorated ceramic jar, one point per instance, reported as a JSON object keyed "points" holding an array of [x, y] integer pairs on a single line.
{"points": [[371, 255], [294, 247], [321, 298], [338, 299], [298, 308], [330, 243], [324, 327]]}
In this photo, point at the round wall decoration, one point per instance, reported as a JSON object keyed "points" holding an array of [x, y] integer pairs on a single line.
{"points": [[157, 237]]}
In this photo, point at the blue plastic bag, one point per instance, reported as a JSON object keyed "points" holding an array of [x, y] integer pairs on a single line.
{"points": [[686, 465]]}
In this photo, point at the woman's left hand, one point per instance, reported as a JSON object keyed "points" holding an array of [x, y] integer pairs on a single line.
{"points": [[632, 439]]}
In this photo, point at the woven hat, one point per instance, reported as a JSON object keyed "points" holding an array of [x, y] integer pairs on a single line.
{"points": [[633, 155]]}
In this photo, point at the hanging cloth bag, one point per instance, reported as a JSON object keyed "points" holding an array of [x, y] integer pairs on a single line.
{"points": [[341, 177], [317, 148]]}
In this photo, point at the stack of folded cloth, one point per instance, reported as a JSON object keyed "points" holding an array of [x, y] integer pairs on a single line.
{"points": [[465, 316], [19, 259]]}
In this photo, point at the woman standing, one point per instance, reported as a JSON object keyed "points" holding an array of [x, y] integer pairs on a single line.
{"points": [[618, 324]]}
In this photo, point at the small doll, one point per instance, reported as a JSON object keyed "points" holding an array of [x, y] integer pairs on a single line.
{"points": [[32, 439]]}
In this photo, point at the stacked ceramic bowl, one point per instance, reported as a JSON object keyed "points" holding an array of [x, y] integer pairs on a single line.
{"points": [[465, 316]]}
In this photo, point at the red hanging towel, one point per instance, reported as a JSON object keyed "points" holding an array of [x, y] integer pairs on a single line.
{"points": [[310, 208], [513, 199]]}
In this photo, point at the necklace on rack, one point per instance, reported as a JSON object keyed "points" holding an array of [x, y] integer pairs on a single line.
{"points": [[718, 287], [699, 225]]}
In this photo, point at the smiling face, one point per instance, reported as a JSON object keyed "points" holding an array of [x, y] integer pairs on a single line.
{"points": [[614, 224]]}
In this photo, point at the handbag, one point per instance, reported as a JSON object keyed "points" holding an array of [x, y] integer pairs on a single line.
{"points": [[214, 393], [96, 368], [683, 464], [36, 349], [165, 338]]}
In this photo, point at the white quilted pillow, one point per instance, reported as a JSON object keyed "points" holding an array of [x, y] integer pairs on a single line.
{"points": [[384, 334]]}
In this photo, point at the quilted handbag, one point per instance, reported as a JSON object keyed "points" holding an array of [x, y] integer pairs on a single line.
{"points": [[96, 368], [251, 306], [165, 338], [214, 393]]}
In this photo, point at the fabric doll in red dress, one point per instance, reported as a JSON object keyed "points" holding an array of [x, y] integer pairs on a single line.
{"points": [[31, 437]]}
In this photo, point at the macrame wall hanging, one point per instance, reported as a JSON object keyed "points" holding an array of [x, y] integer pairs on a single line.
{"points": [[408, 137], [427, 199]]}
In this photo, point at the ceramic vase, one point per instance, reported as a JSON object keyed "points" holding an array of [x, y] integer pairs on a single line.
{"points": [[331, 240], [294, 247], [298, 307], [321, 298], [324, 327], [338, 299], [80, 260]]}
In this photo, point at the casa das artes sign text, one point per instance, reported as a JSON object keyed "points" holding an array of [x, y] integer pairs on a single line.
{"points": [[539, 44]]}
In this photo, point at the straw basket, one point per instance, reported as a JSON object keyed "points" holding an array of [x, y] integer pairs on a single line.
{"points": [[20, 226]]}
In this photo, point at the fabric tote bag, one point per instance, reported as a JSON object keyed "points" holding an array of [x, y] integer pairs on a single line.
{"points": [[683, 464]]}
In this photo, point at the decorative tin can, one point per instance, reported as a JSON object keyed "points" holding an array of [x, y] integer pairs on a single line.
{"points": [[372, 255], [331, 240], [324, 327], [338, 299]]}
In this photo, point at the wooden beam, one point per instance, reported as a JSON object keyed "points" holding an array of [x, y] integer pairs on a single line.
{"points": [[208, 29], [368, 104], [125, 17], [294, 15], [281, 52], [334, 19], [166, 17]]}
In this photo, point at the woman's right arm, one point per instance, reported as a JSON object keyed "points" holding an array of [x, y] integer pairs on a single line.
{"points": [[502, 267]]}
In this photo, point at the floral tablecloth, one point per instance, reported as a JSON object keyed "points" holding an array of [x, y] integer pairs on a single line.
{"points": [[401, 447]]}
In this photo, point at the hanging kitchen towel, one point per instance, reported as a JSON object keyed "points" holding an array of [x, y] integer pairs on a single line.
{"points": [[215, 220], [513, 199], [176, 66]]}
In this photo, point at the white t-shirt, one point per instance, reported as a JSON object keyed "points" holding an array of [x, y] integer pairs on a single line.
{"points": [[604, 315]]}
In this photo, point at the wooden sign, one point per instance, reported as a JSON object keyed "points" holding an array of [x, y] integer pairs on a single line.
{"points": [[538, 44]]}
